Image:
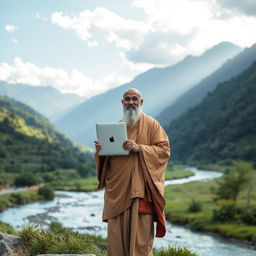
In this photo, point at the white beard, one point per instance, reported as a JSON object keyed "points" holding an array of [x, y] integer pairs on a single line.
{"points": [[131, 116]]}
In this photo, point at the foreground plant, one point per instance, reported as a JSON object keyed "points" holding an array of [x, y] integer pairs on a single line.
{"points": [[171, 251], [39, 241]]}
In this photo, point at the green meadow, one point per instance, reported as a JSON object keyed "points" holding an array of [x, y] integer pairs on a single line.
{"points": [[194, 203]]}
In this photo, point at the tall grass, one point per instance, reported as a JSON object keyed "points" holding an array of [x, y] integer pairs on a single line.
{"points": [[171, 251], [59, 240]]}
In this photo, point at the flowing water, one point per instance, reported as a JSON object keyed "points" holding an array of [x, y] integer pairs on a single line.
{"points": [[81, 211]]}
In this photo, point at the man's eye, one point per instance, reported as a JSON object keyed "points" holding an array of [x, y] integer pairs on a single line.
{"points": [[128, 98]]}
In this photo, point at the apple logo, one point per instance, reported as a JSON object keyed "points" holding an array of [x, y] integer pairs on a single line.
{"points": [[112, 139]]}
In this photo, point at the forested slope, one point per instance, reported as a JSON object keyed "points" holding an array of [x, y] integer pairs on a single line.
{"points": [[222, 126]]}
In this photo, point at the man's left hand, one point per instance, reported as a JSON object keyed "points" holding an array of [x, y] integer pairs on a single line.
{"points": [[131, 145]]}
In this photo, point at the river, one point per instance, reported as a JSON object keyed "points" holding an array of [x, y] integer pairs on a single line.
{"points": [[81, 212]]}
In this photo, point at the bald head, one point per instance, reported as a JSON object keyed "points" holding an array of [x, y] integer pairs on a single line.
{"points": [[133, 91]]}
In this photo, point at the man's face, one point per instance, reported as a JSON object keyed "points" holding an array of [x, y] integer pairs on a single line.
{"points": [[131, 100]]}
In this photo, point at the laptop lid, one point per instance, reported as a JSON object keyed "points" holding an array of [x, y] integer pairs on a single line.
{"points": [[112, 136]]}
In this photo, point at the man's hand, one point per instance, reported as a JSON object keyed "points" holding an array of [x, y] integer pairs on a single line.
{"points": [[131, 145], [98, 146]]}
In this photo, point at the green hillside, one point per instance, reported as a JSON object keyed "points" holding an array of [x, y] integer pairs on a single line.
{"points": [[29, 143], [221, 127]]}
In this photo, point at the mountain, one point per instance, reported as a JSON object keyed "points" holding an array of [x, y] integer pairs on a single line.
{"points": [[159, 87], [47, 100], [28, 142], [221, 127], [190, 98]]}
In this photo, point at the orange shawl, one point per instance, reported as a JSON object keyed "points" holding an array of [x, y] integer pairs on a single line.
{"points": [[152, 161]]}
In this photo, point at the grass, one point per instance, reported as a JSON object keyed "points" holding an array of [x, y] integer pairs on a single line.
{"points": [[180, 197], [60, 240], [18, 198], [86, 184], [171, 251], [91, 183], [177, 172]]}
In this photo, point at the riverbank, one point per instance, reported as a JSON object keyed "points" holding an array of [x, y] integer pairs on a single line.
{"points": [[199, 194], [90, 184], [76, 185], [19, 198]]}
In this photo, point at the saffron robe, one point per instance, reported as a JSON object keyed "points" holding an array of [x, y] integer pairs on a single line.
{"points": [[138, 175]]}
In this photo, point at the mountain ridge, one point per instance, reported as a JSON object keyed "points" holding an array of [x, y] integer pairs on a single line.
{"points": [[45, 99], [158, 86], [220, 128], [230, 68]]}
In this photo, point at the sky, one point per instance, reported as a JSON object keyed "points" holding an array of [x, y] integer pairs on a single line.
{"points": [[90, 46]]}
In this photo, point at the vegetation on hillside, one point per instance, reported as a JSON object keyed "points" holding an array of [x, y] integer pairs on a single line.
{"points": [[222, 127], [32, 150]]}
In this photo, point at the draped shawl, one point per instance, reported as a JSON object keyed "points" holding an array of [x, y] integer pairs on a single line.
{"points": [[139, 174]]}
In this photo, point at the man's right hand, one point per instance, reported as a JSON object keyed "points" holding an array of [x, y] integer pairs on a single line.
{"points": [[98, 146]]}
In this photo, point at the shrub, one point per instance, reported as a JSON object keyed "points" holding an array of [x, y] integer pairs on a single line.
{"points": [[248, 216], [47, 192], [170, 251], [18, 198], [26, 179], [195, 206], [227, 213]]}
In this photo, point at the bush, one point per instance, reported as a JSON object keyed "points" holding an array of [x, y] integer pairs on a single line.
{"points": [[195, 206], [174, 252], [25, 179], [248, 216], [47, 242], [227, 213], [47, 192], [17, 198]]}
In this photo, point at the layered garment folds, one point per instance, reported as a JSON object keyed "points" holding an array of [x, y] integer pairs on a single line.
{"points": [[138, 175]]}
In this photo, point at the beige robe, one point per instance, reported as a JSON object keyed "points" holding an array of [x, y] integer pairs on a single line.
{"points": [[138, 175]]}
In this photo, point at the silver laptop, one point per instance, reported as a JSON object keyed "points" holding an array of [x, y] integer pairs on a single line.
{"points": [[112, 136]]}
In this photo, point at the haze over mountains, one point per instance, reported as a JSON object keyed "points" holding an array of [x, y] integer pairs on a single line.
{"points": [[46, 100], [159, 86], [221, 128], [190, 98]]}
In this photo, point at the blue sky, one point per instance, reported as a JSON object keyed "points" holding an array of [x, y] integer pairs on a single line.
{"points": [[89, 46]]}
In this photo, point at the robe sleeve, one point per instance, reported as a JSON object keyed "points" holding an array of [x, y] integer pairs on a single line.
{"points": [[102, 164], [156, 156]]}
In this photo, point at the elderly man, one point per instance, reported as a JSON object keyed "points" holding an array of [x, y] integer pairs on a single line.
{"points": [[134, 184]]}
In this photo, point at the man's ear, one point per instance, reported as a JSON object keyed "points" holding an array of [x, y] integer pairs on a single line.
{"points": [[141, 101], [122, 102]]}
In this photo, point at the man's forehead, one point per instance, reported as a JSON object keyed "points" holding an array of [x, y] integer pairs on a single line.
{"points": [[132, 93]]}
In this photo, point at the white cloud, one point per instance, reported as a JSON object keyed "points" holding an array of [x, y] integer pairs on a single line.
{"points": [[124, 33], [11, 28], [66, 81], [41, 17], [191, 26], [170, 31]]}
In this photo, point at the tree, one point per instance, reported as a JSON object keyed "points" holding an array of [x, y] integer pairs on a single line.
{"points": [[47, 192], [26, 179], [236, 179]]}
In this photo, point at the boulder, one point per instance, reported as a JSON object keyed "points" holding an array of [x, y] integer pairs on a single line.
{"points": [[66, 255], [9, 244]]}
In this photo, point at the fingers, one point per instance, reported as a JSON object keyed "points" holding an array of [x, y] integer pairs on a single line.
{"points": [[98, 146], [131, 145]]}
